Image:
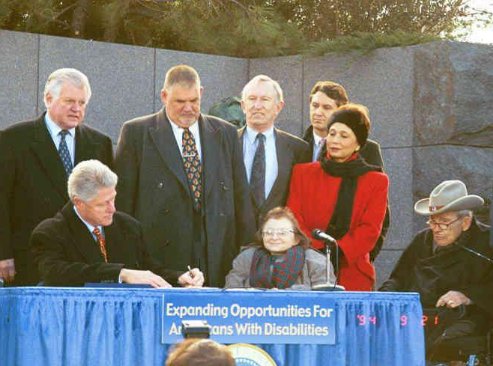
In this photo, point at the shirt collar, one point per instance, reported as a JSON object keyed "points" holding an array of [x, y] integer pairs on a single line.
{"points": [[317, 139], [194, 128], [252, 134], [54, 128], [88, 225]]}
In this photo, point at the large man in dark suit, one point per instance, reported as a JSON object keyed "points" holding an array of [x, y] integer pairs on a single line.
{"points": [[181, 176], [89, 241], [268, 153], [325, 98], [35, 159]]}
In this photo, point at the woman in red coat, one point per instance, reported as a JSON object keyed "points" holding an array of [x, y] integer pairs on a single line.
{"points": [[344, 196]]}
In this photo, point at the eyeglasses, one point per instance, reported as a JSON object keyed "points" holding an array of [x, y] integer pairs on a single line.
{"points": [[282, 233], [442, 225]]}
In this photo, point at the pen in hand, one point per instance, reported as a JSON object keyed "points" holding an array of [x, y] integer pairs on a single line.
{"points": [[190, 271]]}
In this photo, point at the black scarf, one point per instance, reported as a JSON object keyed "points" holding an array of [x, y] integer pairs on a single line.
{"points": [[349, 171]]}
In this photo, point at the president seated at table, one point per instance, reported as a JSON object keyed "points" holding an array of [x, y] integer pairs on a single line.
{"points": [[450, 265], [88, 241]]}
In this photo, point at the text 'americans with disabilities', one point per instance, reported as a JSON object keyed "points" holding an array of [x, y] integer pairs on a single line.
{"points": [[328, 241]]}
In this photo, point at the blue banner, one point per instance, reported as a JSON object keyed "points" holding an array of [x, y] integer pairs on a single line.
{"points": [[274, 317]]}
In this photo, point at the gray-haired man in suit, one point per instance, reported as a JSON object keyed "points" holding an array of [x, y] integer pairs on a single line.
{"points": [[181, 176], [268, 153]]}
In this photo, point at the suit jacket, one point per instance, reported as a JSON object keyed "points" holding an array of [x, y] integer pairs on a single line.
{"points": [[153, 188], [33, 183], [290, 150], [371, 152], [313, 197], [67, 254]]}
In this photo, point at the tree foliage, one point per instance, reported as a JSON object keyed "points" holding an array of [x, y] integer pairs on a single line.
{"points": [[244, 28]]}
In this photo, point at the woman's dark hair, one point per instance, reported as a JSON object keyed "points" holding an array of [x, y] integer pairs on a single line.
{"points": [[283, 213]]}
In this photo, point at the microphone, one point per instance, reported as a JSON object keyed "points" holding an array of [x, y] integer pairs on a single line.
{"points": [[327, 286], [321, 235]]}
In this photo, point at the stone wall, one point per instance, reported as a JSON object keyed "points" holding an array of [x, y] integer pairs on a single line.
{"points": [[430, 105]]}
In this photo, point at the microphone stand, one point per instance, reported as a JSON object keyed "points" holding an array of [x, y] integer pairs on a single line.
{"points": [[328, 286]]}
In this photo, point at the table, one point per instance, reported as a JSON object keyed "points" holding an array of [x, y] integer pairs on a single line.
{"points": [[122, 326]]}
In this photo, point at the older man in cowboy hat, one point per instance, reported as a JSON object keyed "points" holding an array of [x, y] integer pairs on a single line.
{"points": [[449, 264]]}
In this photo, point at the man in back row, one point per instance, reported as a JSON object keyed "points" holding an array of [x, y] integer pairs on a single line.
{"points": [[268, 153], [89, 241], [181, 175], [36, 158], [325, 98]]}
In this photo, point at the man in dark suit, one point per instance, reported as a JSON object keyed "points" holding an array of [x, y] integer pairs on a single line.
{"points": [[35, 160], [181, 176], [268, 153], [325, 98], [89, 241]]}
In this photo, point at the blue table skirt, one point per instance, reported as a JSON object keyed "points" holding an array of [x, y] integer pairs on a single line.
{"points": [[68, 326]]}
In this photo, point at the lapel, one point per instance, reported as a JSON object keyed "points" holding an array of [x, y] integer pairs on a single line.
{"points": [[119, 249], [45, 150], [80, 236], [210, 141], [241, 131], [164, 140], [84, 148], [284, 161]]}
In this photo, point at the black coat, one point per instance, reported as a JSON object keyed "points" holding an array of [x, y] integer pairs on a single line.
{"points": [[33, 184], [153, 188], [453, 268], [67, 254], [290, 150]]}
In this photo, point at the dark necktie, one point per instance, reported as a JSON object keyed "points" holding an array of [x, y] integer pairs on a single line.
{"points": [[63, 151], [101, 243], [193, 168], [257, 176]]}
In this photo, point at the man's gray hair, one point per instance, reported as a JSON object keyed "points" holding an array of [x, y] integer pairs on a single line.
{"points": [[264, 78], [87, 178], [183, 75], [66, 75]]}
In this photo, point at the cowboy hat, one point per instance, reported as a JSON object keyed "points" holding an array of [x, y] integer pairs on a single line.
{"points": [[450, 195]]}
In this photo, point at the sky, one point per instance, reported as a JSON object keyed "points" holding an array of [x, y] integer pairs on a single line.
{"points": [[481, 35]]}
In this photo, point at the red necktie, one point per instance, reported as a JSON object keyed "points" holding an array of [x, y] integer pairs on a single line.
{"points": [[101, 242]]}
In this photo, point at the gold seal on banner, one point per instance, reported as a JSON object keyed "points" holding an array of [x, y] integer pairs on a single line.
{"points": [[250, 355]]}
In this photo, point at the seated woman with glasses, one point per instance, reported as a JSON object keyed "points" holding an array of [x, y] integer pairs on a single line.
{"points": [[280, 259]]}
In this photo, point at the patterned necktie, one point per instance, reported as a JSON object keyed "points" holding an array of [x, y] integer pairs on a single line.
{"points": [[257, 176], [101, 242], [63, 151], [193, 168]]}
